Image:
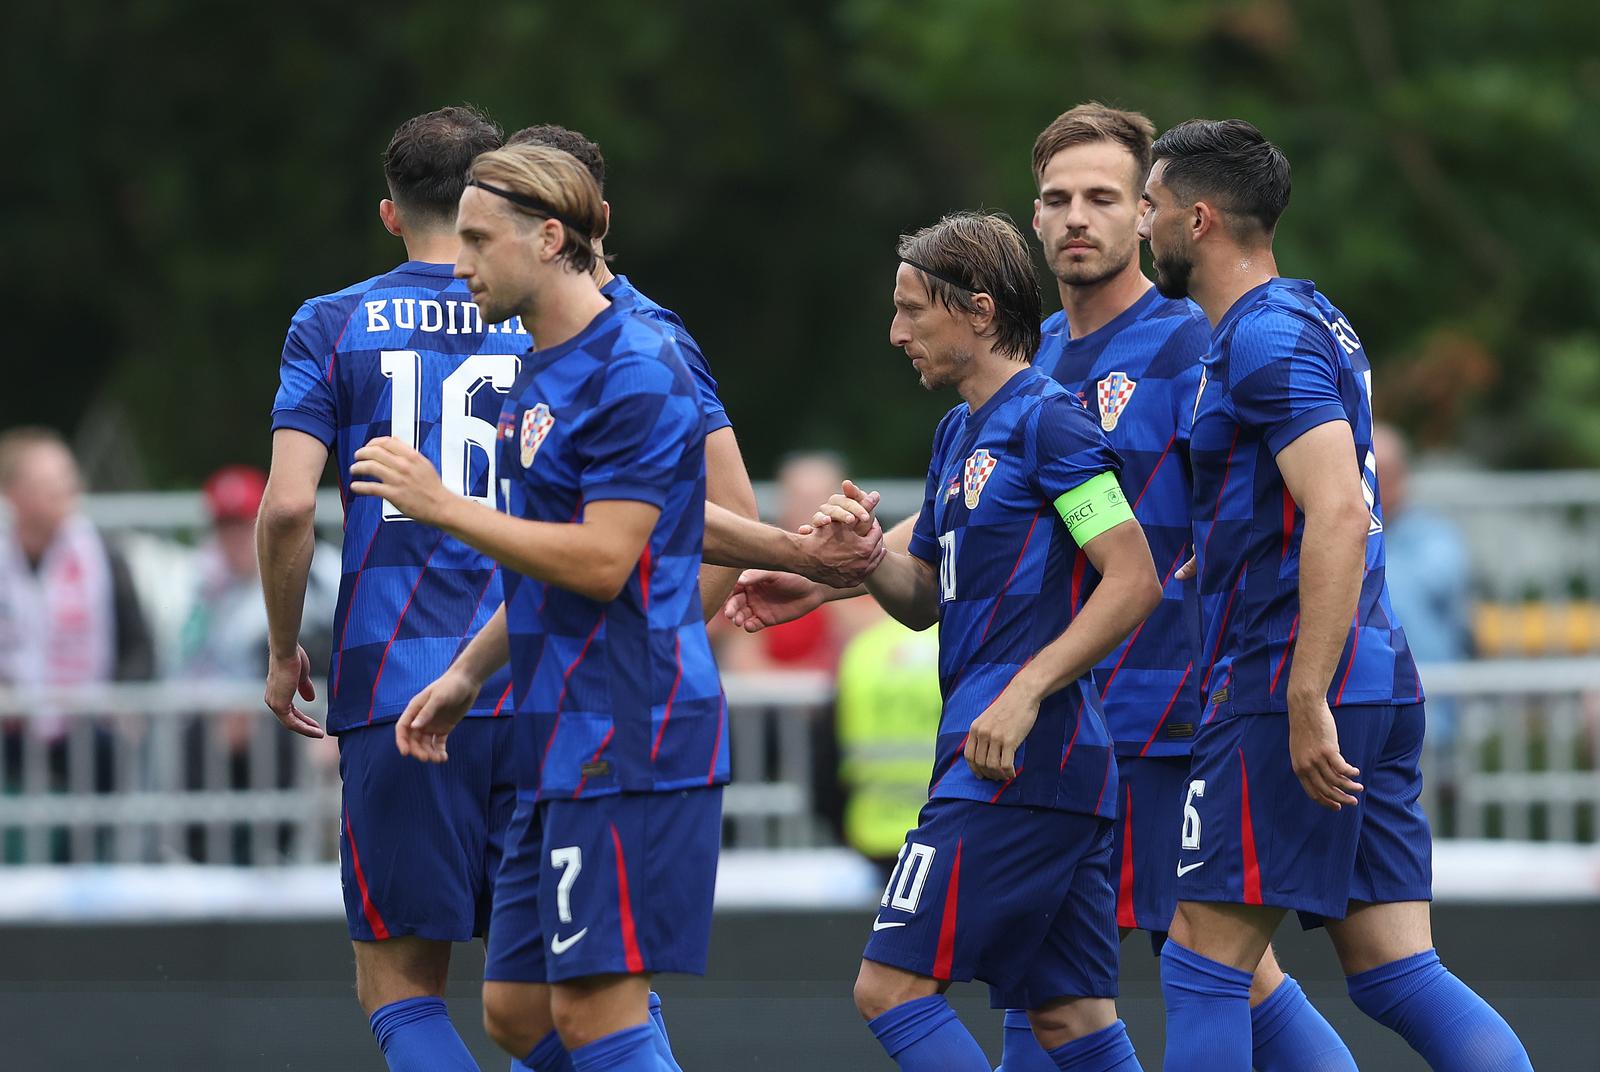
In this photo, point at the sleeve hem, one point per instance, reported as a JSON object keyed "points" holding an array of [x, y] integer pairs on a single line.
{"points": [[301, 421], [626, 490], [1283, 434]]}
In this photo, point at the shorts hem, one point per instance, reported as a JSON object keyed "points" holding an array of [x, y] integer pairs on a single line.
{"points": [[667, 967]]}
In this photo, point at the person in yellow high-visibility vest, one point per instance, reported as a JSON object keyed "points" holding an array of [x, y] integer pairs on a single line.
{"points": [[887, 709]]}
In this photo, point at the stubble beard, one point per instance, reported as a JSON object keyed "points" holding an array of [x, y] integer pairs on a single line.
{"points": [[1173, 270], [1090, 272]]}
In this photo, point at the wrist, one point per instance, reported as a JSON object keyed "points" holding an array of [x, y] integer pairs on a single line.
{"points": [[1029, 685]]}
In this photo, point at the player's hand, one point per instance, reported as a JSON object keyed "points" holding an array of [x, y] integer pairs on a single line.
{"points": [[763, 598], [432, 714], [287, 675], [1314, 752], [844, 542], [1187, 570], [403, 476], [995, 735], [850, 506]]}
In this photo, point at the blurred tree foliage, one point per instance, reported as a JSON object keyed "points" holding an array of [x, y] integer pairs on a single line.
{"points": [[184, 174]]}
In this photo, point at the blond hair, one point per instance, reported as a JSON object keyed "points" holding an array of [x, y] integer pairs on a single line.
{"points": [[547, 183]]}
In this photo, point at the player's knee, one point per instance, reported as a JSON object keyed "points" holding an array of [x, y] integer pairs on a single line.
{"points": [[880, 989], [387, 972], [1062, 1021], [515, 1022]]}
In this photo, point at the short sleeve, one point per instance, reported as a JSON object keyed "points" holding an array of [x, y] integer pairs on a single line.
{"points": [[924, 534], [705, 384], [1068, 448], [305, 399], [1285, 377], [631, 441]]}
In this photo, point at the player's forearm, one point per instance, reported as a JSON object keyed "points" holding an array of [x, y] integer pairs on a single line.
{"points": [[285, 542], [1333, 549], [577, 556], [1109, 616], [728, 486], [486, 652], [908, 588], [745, 543]]}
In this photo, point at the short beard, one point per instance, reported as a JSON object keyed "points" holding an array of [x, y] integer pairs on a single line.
{"points": [[955, 371], [1088, 274], [1172, 275]]}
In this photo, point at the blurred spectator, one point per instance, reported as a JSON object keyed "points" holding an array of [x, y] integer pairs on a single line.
{"points": [[814, 640], [224, 637], [69, 614], [1427, 570], [888, 719]]}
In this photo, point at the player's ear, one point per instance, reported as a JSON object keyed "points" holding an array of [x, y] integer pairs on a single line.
{"points": [[605, 213], [1038, 205], [1203, 219], [390, 215], [983, 319]]}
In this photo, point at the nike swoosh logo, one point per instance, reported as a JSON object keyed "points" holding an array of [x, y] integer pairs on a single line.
{"points": [[559, 945], [1184, 869], [879, 925]]}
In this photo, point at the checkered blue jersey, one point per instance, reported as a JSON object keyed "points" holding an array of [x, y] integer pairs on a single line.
{"points": [[1137, 375], [623, 696], [621, 289], [1282, 361], [1009, 578], [405, 354]]}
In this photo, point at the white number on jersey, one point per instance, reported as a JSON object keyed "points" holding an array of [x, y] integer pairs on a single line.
{"points": [[569, 861], [459, 429], [1191, 816], [947, 566], [909, 876]]}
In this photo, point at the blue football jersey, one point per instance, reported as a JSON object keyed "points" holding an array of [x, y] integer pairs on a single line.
{"points": [[1137, 375], [1009, 578], [1282, 361], [621, 289], [404, 354], [623, 696]]}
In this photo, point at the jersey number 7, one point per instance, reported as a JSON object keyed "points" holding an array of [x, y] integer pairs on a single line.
{"points": [[460, 430]]}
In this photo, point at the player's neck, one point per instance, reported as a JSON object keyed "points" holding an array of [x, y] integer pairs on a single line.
{"points": [[1090, 307], [432, 247], [602, 271], [990, 371], [1231, 279], [566, 305]]}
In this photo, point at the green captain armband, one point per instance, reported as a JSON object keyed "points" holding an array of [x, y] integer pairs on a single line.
{"points": [[1093, 507]]}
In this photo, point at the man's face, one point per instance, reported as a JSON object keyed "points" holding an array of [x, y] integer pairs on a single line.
{"points": [[44, 492], [1165, 227], [937, 340], [1087, 212], [497, 259]]}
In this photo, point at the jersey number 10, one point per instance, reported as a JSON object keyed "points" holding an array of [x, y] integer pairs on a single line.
{"points": [[459, 429]]}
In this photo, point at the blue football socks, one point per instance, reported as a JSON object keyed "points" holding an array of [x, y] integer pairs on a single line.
{"points": [[1208, 1012], [1290, 1035], [416, 1035], [1020, 1051], [548, 1056], [1439, 1016], [663, 1043], [925, 1036], [1106, 1050], [633, 1049]]}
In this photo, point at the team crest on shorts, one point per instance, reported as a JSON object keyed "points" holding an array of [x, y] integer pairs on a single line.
{"points": [[536, 424], [1114, 392], [975, 474]]}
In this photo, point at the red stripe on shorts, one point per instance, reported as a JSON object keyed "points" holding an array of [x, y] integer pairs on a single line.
{"points": [[947, 927], [630, 935], [1247, 835]]}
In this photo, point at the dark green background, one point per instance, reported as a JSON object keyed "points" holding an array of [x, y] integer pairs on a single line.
{"points": [[181, 175]]}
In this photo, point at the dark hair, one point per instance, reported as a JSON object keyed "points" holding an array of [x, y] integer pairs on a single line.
{"points": [[427, 159], [568, 141], [970, 253], [1229, 160], [1092, 122]]}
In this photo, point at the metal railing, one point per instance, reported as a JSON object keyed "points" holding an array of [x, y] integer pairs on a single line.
{"points": [[199, 772]]}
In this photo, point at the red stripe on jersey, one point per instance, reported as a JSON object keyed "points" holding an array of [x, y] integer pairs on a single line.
{"points": [[630, 934], [1010, 576], [561, 697], [504, 696], [1247, 836], [1152, 477], [1004, 787], [1288, 521], [383, 660], [1125, 914], [1227, 471], [1076, 726], [349, 608], [1288, 646], [960, 750], [598, 752], [1162, 721], [666, 715], [368, 909], [644, 578], [1134, 639], [947, 926], [467, 639], [1355, 642], [1222, 631], [716, 747], [1211, 714]]}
